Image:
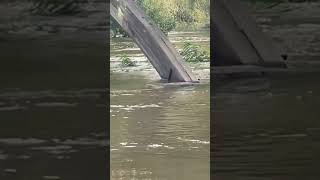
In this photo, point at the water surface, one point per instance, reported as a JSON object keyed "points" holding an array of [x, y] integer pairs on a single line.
{"points": [[159, 131], [266, 127]]}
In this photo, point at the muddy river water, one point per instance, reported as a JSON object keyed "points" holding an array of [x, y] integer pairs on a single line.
{"points": [[54, 123], [266, 127], [158, 131], [262, 127]]}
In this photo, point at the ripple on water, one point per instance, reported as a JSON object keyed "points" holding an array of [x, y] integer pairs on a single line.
{"points": [[3, 156], [51, 177], [157, 114], [20, 141], [12, 108], [13, 171], [55, 104], [130, 108], [59, 149]]}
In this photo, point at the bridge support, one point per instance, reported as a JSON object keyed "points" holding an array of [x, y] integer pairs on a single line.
{"points": [[238, 40], [153, 43]]}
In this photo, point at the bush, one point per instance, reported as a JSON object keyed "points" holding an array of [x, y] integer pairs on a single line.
{"points": [[168, 14], [193, 53], [157, 12], [182, 14]]}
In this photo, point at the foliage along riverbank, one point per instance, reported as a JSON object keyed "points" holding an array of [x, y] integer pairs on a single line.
{"points": [[175, 15], [172, 15]]}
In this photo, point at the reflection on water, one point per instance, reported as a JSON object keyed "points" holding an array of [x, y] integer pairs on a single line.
{"points": [[267, 128], [158, 131]]}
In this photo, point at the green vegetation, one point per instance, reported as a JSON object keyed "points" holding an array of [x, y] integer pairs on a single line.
{"points": [[172, 14], [158, 12], [126, 61], [180, 11], [193, 53]]}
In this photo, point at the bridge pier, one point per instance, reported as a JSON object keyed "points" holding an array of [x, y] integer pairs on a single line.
{"points": [[153, 43], [237, 39]]}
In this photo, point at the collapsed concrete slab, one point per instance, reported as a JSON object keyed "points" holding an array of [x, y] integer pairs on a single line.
{"points": [[153, 43], [238, 40]]}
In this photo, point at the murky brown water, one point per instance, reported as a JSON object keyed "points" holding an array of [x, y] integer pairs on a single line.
{"points": [[54, 122], [53, 134], [266, 128], [158, 131]]}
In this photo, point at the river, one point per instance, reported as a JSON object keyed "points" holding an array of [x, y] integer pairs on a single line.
{"points": [[159, 131], [266, 127], [54, 122]]}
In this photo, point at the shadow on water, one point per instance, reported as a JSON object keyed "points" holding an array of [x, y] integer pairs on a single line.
{"points": [[266, 128]]}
